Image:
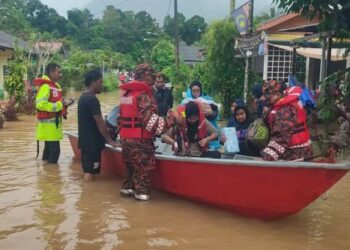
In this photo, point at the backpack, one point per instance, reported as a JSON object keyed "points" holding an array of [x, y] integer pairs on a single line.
{"points": [[258, 134], [306, 96]]}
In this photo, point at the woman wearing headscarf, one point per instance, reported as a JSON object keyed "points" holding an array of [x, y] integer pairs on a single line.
{"points": [[242, 122], [231, 122], [192, 136], [209, 107]]}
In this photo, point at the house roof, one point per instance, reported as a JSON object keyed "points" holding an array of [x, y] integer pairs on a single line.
{"points": [[277, 20], [51, 47], [190, 53], [309, 28], [8, 41]]}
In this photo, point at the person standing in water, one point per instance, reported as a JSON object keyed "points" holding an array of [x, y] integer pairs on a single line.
{"points": [[92, 128]]}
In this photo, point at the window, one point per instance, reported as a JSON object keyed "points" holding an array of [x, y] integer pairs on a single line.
{"points": [[280, 64]]}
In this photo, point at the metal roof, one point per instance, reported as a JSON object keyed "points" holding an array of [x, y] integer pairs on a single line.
{"points": [[190, 53], [8, 41]]}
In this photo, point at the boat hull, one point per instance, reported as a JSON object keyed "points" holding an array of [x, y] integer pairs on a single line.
{"points": [[253, 189]]}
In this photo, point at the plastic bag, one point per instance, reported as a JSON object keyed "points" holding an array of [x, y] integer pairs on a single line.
{"points": [[231, 144], [258, 134]]}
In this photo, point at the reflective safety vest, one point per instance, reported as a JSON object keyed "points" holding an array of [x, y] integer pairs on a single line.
{"points": [[130, 118], [55, 96], [301, 133]]}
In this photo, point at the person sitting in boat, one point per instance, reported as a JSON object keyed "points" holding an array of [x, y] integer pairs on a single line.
{"points": [[260, 93], [231, 122], [242, 121], [191, 136], [208, 106], [289, 136]]}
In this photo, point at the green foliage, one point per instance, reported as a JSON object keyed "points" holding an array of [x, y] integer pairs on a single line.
{"points": [[110, 82], [265, 16], [190, 30], [224, 74], [163, 55], [13, 18], [328, 99], [178, 82], [79, 62], [169, 24], [335, 14], [14, 82], [130, 33], [193, 29]]}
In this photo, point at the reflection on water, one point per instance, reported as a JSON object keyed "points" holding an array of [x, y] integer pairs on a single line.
{"points": [[49, 207], [50, 211]]}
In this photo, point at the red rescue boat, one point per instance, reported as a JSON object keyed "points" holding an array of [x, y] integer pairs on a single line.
{"points": [[254, 188]]}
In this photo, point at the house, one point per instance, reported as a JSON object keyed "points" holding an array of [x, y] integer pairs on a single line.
{"points": [[190, 54], [290, 31], [7, 45]]}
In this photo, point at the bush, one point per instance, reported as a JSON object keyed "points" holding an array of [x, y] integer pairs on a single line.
{"points": [[110, 82]]}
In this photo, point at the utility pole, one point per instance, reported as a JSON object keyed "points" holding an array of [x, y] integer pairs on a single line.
{"points": [[251, 17], [248, 54], [177, 61], [232, 6]]}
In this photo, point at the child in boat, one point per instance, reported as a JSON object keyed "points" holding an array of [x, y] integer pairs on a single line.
{"points": [[192, 136], [242, 121]]}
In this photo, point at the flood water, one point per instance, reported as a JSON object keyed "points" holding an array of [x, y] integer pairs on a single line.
{"points": [[45, 206]]}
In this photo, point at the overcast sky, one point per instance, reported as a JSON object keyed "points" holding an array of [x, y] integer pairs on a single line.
{"points": [[209, 9]]}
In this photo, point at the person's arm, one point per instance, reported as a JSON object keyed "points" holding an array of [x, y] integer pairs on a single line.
{"points": [[95, 109], [150, 119], [42, 101], [101, 125], [167, 138], [281, 132], [212, 134]]}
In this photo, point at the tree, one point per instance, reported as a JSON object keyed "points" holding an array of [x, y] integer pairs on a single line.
{"points": [[163, 55], [335, 14], [265, 16], [169, 24], [14, 84], [12, 17], [193, 29], [224, 74]]}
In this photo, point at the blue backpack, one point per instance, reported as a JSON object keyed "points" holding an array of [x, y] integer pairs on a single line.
{"points": [[306, 96]]}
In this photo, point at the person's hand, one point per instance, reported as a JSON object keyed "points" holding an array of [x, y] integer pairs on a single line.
{"points": [[262, 98], [265, 110], [203, 142], [68, 101], [113, 144], [175, 147], [206, 109], [223, 138]]}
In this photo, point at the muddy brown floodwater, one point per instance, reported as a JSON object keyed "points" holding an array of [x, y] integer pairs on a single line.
{"points": [[46, 206]]}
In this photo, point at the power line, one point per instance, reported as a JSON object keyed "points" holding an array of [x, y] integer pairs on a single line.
{"points": [[168, 8], [200, 6]]}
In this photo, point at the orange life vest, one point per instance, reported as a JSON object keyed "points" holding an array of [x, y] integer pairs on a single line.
{"points": [[130, 118], [55, 96], [301, 133]]}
